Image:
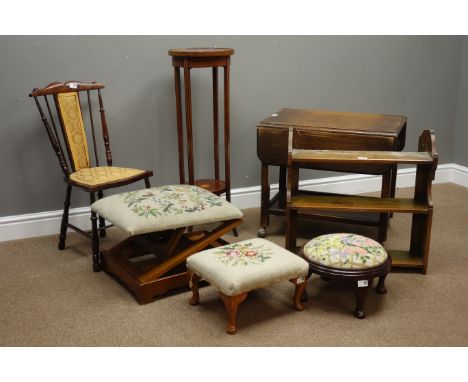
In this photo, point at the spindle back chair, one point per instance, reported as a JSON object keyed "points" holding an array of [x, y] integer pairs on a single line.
{"points": [[61, 104]]}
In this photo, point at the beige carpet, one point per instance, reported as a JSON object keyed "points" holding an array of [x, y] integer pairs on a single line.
{"points": [[52, 298]]}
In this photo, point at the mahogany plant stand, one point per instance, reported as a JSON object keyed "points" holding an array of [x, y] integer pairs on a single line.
{"points": [[188, 59]]}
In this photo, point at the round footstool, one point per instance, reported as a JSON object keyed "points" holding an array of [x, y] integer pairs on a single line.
{"points": [[350, 258]]}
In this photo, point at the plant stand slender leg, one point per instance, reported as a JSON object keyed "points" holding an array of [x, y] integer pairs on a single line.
{"points": [[299, 292], [64, 224], [95, 237], [361, 294], [102, 221], [193, 282], [380, 288], [180, 128], [232, 304], [227, 137]]}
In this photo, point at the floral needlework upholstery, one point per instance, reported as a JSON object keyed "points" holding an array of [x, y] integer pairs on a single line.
{"points": [[345, 251], [98, 176], [165, 207], [247, 265], [244, 253], [70, 110]]}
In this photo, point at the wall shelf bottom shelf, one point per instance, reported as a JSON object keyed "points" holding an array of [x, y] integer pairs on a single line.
{"points": [[406, 259]]}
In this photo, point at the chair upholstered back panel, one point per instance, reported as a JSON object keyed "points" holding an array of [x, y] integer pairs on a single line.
{"points": [[73, 129]]}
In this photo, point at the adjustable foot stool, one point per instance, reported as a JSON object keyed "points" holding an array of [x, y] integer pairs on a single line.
{"points": [[235, 269], [349, 258], [151, 261]]}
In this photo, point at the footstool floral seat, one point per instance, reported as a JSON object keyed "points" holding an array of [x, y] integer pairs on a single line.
{"points": [[151, 261], [235, 269], [352, 258]]}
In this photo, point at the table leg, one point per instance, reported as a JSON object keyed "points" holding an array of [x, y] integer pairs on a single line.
{"points": [[282, 187], [265, 201]]}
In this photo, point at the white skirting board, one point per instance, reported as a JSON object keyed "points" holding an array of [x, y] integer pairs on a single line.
{"points": [[48, 223]]}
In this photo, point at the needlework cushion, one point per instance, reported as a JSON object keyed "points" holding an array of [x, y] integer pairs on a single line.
{"points": [[165, 207], [247, 265], [98, 176], [345, 251]]}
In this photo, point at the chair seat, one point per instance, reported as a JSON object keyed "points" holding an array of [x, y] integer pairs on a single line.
{"points": [[345, 251], [162, 208], [247, 265], [98, 176]]}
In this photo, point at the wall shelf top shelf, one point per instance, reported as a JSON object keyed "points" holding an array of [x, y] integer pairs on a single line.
{"points": [[353, 157]]}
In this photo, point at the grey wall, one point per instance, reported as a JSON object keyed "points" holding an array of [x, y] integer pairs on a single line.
{"points": [[414, 76], [460, 147]]}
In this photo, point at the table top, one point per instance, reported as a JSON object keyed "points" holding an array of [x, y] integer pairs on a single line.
{"points": [[381, 124], [201, 52]]}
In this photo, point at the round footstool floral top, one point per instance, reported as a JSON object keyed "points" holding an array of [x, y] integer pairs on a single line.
{"points": [[345, 251]]}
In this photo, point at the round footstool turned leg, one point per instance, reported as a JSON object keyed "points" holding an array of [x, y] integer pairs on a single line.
{"points": [[193, 282], [232, 304], [361, 294], [381, 289]]}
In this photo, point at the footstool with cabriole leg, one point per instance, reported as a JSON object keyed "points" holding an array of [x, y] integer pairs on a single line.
{"points": [[238, 268]]}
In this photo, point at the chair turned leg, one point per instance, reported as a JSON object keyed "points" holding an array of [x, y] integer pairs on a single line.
{"points": [[361, 294], [380, 288], [232, 304], [95, 237], [102, 221], [64, 224], [299, 292], [193, 282]]}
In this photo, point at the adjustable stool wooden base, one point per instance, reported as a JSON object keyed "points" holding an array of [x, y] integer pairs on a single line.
{"points": [[151, 265]]}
